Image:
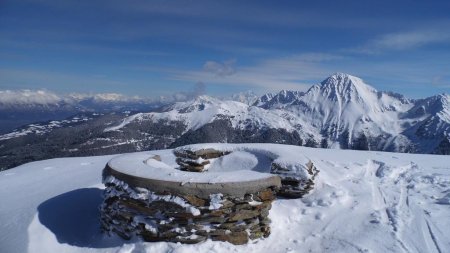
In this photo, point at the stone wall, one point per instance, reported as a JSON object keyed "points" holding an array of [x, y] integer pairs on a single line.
{"points": [[133, 211], [293, 186]]}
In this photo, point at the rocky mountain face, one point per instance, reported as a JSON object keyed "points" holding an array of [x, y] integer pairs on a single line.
{"points": [[340, 112]]}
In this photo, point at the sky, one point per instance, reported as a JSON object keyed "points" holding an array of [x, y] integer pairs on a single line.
{"points": [[154, 48]]}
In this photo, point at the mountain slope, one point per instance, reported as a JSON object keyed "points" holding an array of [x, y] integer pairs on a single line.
{"points": [[203, 110], [432, 129], [207, 119]]}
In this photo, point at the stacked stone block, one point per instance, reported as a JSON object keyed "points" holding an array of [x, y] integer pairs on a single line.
{"points": [[132, 211], [195, 161]]}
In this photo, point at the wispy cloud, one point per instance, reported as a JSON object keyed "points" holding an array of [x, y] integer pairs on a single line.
{"points": [[203, 20], [286, 15], [405, 40], [292, 72], [31, 78], [441, 81], [225, 68], [77, 47]]}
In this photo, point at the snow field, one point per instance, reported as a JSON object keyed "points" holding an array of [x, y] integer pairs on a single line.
{"points": [[362, 202]]}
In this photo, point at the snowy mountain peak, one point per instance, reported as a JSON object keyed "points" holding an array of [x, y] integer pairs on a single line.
{"points": [[345, 82], [279, 100], [343, 103], [263, 99], [343, 89], [287, 96], [445, 98], [432, 106]]}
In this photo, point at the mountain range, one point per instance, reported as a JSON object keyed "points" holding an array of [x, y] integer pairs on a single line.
{"points": [[21, 107], [340, 112]]}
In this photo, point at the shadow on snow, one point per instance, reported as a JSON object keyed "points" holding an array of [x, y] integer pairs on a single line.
{"points": [[74, 218]]}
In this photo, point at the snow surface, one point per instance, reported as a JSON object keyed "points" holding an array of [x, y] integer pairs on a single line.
{"points": [[363, 202]]}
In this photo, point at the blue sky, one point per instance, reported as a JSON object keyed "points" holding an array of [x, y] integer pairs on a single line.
{"points": [[152, 48]]}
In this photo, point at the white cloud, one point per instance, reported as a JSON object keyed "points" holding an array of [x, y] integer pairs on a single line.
{"points": [[24, 97], [45, 97], [411, 39]]}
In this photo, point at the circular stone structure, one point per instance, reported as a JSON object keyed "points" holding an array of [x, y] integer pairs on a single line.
{"points": [[193, 193]]}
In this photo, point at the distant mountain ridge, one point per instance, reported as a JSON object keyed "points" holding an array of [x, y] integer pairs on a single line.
{"points": [[340, 112], [21, 107]]}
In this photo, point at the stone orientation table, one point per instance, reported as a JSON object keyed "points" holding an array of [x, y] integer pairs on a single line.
{"points": [[222, 193]]}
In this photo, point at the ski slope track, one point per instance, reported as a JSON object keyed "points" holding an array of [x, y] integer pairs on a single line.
{"points": [[363, 201]]}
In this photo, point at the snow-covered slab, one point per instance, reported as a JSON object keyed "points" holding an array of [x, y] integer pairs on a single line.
{"points": [[237, 174]]}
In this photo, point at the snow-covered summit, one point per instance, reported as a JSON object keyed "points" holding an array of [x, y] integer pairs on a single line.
{"points": [[344, 103], [345, 82], [347, 89]]}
